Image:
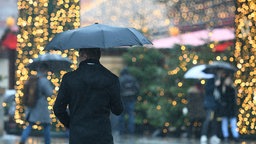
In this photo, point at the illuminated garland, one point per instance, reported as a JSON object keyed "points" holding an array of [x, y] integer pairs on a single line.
{"points": [[41, 20], [200, 14], [38, 22], [245, 55]]}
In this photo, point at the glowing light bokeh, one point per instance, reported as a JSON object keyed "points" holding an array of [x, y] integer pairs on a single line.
{"points": [[38, 22]]}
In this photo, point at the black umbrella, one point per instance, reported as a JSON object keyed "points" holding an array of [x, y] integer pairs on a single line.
{"points": [[217, 65], [97, 36], [55, 62]]}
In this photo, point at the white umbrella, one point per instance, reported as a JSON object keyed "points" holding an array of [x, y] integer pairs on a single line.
{"points": [[196, 72]]}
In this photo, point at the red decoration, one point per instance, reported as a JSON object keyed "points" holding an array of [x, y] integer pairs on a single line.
{"points": [[223, 46], [10, 41]]}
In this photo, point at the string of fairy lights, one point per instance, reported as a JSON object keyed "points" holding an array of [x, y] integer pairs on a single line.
{"points": [[33, 35], [245, 55], [38, 22], [200, 14]]}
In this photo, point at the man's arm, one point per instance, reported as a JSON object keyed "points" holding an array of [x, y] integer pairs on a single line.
{"points": [[61, 103], [116, 102]]}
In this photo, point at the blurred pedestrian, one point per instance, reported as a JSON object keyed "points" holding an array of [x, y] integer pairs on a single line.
{"points": [[8, 44], [90, 93], [129, 87], [196, 112], [229, 109], [211, 105], [40, 112]]}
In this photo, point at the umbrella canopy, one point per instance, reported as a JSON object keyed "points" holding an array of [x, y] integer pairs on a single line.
{"points": [[55, 62], [216, 65], [97, 36], [196, 72]]}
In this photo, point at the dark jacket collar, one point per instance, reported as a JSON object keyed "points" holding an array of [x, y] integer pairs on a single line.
{"points": [[90, 61]]}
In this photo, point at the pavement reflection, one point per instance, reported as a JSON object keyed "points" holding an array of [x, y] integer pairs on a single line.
{"points": [[126, 139]]}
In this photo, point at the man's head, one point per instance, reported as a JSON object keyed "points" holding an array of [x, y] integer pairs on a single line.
{"points": [[89, 53]]}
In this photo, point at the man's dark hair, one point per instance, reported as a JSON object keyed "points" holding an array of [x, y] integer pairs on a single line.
{"points": [[92, 53]]}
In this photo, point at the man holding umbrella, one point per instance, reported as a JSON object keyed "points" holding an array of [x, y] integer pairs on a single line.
{"points": [[90, 93]]}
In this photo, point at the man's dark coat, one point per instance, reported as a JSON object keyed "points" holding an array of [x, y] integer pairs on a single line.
{"points": [[90, 93]]}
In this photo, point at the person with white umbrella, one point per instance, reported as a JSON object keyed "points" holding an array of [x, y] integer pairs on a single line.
{"points": [[208, 103], [213, 90], [196, 95], [209, 126]]}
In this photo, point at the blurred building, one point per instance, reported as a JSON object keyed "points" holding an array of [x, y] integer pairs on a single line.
{"points": [[196, 15], [160, 18], [146, 15], [8, 8], [8, 15]]}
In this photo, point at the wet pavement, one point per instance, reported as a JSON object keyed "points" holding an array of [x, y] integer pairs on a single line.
{"points": [[13, 139]]}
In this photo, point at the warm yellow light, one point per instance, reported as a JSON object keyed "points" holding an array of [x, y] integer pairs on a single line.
{"points": [[180, 84], [244, 56], [158, 107], [35, 23]]}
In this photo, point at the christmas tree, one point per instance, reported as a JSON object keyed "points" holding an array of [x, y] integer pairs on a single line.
{"points": [[163, 87]]}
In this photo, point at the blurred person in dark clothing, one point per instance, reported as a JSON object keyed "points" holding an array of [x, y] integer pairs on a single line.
{"points": [[8, 44], [229, 109], [211, 105], [196, 112], [90, 93], [40, 112], [129, 88]]}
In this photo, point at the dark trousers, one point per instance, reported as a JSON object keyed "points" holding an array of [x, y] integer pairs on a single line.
{"points": [[210, 123], [195, 126], [129, 106]]}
